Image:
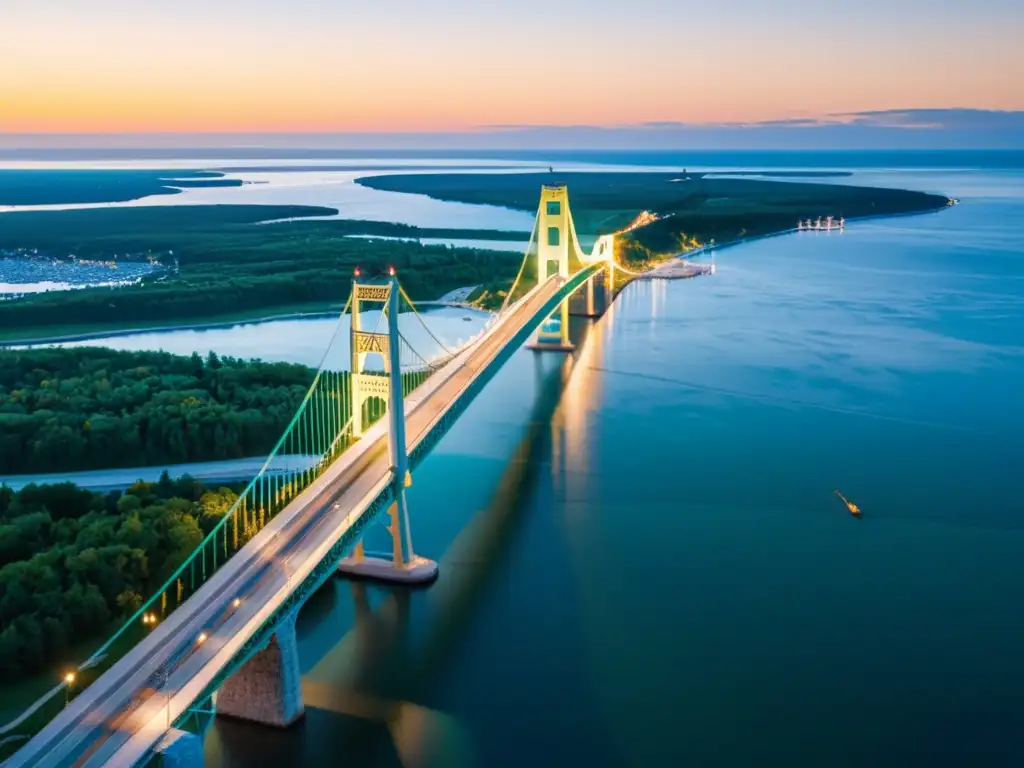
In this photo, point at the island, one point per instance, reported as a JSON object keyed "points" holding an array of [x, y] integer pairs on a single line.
{"points": [[43, 186]]}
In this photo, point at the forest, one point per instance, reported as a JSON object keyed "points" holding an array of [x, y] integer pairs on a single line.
{"points": [[43, 186], [224, 261], [74, 563], [87, 408]]}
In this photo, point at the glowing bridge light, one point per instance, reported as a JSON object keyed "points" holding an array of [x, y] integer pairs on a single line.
{"points": [[391, 271], [201, 639], [236, 602], [69, 678]]}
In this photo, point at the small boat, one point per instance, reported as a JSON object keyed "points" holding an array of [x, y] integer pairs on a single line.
{"points": [[467, 319], [854, 509]]}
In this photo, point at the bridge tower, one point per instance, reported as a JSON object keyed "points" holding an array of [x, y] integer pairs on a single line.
{"points": [[404, 566], [365, 386], [554, 232]]}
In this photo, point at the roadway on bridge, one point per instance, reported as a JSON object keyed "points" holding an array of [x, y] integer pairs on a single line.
{"points": [[122, 715]]}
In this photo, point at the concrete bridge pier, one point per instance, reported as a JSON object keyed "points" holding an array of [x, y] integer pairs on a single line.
{"points": [[267, 689], [553, 334]]}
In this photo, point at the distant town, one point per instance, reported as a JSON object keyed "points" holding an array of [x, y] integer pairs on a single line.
{"points": [[26, 271]]}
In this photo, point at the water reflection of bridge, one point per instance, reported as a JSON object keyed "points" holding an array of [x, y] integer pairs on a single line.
{"points": [[381, 671]]}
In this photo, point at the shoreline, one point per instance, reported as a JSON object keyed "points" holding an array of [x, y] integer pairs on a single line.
{"points": [[321, 314], [793, 230]]}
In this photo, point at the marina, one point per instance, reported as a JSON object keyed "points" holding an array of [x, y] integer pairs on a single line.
{"points": [[828, 224]]}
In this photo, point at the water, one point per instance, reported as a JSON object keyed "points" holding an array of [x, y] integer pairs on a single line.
{"points": [[663, 575], [330, 188], [302, 340]]}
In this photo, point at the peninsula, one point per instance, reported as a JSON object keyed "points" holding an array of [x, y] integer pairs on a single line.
{"points": [[689, 209]]}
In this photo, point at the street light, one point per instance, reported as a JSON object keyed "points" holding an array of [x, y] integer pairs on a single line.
{"points": [[69, 680], [202, 638]]}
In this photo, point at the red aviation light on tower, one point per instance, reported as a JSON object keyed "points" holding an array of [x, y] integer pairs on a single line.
{"points": [[391, 271], [356, 272]]}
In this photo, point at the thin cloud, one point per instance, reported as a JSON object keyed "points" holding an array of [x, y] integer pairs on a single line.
{"points": [[934, 119], [934, 129], [938, 119]]}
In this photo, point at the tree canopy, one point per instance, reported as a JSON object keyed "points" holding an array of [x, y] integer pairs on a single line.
{"points": [[74, 562], [89, 408]]}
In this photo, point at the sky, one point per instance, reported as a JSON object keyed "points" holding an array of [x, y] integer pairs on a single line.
{"points": [[451, 66]]}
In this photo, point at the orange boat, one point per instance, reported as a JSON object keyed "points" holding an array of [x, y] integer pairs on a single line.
{"points": [[854, 509]]}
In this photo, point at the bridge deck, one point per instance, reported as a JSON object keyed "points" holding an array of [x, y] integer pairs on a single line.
{"points": [[122, 715]]}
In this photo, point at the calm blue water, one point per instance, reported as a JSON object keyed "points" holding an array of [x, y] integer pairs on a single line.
{"points": [[643, 562]]}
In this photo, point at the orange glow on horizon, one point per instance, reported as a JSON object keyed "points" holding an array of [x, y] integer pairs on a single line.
{"points": [[313, 67]]}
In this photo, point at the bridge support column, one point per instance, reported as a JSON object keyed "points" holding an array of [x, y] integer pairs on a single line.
{"points": [[180, 749], [553, 334], [267, 689], [405, 567]]}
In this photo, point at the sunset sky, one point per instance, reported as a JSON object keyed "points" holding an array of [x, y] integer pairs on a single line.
{"points": [[453, 65]]}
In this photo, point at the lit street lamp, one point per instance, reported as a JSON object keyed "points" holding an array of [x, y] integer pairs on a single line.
{"points": [[69, 680]]}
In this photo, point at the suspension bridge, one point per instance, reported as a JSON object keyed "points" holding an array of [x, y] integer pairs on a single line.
{"points": [[222, 627]]}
